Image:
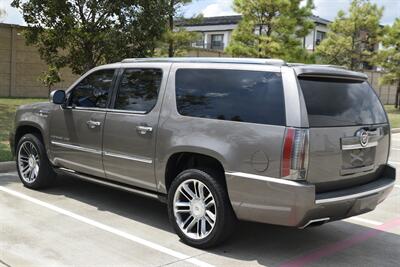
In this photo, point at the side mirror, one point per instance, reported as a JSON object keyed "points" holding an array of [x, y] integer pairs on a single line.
{"points": [[57, 97]]}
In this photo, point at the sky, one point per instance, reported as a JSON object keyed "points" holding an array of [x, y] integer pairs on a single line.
{"points": [[326, 9]]}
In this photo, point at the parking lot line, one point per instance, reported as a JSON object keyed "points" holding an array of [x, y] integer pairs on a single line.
{"points": [[364, 220], [107, 228]]}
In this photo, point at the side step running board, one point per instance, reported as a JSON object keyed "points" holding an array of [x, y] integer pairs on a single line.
{"points": [[118, 186]]}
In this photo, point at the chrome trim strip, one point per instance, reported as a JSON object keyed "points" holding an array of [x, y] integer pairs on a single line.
{"points": [[359, 146], [67, 170], [110, 110], [87, 109], [121, 156], [357, 170], [263, 178], [314, 221], [78, 148], [352, 196], [126, 111]]}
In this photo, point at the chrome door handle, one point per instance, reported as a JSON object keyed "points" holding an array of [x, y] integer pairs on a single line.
{"points": [[144, 129], [93, 124], [44, 113]]}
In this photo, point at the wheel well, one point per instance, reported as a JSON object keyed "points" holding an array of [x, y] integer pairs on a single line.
{"points": [[182, 161], [22, 130]]}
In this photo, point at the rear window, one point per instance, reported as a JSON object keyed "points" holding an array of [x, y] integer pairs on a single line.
{"points": [[334, 102], [234, 95]]}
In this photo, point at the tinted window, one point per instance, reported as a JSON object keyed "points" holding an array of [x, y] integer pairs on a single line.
{"points": [[138, 90], [236, 95], [332, 102], [93, 91]]}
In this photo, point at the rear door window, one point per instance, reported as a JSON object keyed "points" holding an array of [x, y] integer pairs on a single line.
{"points": [[138, 90], [234, 95], [341, 102]]}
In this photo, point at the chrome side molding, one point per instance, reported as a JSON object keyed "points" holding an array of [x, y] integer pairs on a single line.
{"points": [[98, 152], [78, 148], [263, 178], [121, 156]]}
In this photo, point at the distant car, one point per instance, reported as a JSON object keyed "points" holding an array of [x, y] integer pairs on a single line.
{"points": [[218, 139]]}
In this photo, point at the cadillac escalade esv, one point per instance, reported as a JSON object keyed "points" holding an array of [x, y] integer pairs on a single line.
{"points": [[217, 139]]}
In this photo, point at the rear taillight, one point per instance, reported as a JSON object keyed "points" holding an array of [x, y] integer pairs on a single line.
{"points": [[295, 154]]}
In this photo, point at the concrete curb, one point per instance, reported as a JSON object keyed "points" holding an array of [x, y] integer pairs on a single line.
{"points": [[8, 166], [396, 130]]}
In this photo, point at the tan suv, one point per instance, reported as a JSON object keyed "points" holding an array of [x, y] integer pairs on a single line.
{"points": [[217, 139]]}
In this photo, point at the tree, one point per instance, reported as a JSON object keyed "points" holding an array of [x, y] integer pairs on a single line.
{"points": [[352, 37], [389, 57], [270, 29], [176, 40], [50, 77], [2, 13], [82, 34]]}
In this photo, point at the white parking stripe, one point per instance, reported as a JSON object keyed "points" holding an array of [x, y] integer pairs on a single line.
{"points": [[107, 228], [365, 220], [393, 162], [394, 148], [7, 173]]}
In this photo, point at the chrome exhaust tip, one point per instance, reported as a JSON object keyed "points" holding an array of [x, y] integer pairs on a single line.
{"points": [[315, 222]]}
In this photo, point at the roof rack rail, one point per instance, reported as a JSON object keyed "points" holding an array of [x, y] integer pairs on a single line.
{"points": [[261, 61]]}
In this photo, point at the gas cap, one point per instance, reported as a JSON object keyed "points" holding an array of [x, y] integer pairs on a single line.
{"points": [[259, 161]]}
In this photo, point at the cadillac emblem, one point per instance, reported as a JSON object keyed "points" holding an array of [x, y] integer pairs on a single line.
{"points": [[364, 138]]}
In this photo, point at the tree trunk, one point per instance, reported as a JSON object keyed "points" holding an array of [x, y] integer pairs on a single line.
{"points": [[171, 28], [396, 105]]}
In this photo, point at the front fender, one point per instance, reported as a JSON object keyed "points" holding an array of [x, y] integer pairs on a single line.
{"points": [[35, 116]]}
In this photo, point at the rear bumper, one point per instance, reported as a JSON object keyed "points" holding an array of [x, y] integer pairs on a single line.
{"points": [[282, 202]]}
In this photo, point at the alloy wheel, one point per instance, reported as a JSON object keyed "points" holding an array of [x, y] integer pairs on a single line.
{"points": [[194, 209], [28, 162]]}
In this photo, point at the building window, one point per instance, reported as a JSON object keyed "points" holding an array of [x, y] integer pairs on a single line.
{"points": [[217, 41], [320, 36], [200, 42]]}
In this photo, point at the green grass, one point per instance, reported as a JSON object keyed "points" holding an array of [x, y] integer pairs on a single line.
{"points": [[7, 112], [394, 116]]}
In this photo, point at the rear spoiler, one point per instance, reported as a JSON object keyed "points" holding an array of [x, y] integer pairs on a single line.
{"points": [[328, 72]]}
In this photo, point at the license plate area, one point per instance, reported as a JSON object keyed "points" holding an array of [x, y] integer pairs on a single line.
{"points": [[358, 160]]}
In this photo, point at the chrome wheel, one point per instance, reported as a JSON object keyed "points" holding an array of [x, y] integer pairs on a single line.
{"points": [[28, 162], [194, 209]]}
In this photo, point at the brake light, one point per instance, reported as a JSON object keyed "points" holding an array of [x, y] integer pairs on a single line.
{"points": [[295, 154]]}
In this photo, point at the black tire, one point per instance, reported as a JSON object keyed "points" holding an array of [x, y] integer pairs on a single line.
{"points": [[46, 175], [225, 219]]}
